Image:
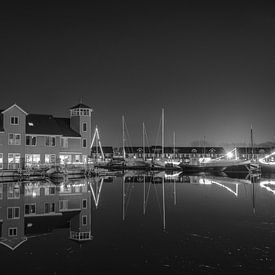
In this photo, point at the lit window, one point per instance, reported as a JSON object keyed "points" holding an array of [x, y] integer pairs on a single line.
{"points": [[13, 191], [14, 160], [14, 120], [32, 158], [50, 158], [30, 123]]}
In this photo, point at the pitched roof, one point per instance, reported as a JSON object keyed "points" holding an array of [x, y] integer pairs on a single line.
{"points": [[80, 105], [64, 127], [42, 125], [14, 105]]}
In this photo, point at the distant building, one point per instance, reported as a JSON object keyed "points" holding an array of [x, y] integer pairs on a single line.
{"points": [[177, 152], [256, 152], [35, 139]]}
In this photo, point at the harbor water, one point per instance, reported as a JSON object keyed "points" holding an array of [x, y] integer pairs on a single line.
{"points": [[141, 224]]}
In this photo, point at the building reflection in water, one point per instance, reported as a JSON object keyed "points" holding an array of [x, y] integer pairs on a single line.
{"points": [[33, 208]]}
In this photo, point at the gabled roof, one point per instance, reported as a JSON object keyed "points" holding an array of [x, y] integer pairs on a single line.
{"points": [[42, 125], [80, 105], [15, 105], [64, 127]]}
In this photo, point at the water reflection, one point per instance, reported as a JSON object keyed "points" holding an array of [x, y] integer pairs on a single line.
{"points": [[31, 209]]}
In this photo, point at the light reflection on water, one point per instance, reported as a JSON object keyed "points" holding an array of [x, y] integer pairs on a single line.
{"points": [[149, 222]]}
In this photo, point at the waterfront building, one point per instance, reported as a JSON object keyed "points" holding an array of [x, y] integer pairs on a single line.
{"points": [[108, 152], [39, 139], [36, 208], [255, 153], [174, 152]]}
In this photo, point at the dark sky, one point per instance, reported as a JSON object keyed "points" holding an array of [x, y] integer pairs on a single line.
{"points": [[209, 64]]}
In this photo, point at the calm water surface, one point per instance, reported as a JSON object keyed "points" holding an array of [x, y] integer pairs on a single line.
{"points": [[161, 225]]}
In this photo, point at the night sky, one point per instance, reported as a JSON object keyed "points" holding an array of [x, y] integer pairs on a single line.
{"points": [[209, 64]]}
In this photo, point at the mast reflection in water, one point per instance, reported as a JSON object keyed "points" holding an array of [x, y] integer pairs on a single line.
{"points": [[144, 223]]}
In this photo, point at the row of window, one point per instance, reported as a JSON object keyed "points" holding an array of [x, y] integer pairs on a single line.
{"points": [[15, 139], [80, 112], [14, 212]]}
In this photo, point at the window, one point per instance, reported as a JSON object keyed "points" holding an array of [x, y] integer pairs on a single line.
{"points": [[1, 160], [84, 143], [14, 120], [65, 159], [13, 191], [1, 191], [51, 190], [32, 158], [64, 142], [13, 212], [84, 127], [63, 205], [50, 141], [50, 158], [31, 140], [14, 160], [84, 203], [30, 209], [14, 139], [49, 208], [12, 231], [84, 220]]}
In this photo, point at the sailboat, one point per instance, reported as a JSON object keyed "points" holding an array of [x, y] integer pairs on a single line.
{"points": [[124, 162], [227, 163]]}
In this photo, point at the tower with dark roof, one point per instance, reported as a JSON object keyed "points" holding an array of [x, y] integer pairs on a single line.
{"points": [[81, 122]]}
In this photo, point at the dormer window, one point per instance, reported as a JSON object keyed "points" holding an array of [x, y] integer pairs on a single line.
{"points": [[14, 120]]}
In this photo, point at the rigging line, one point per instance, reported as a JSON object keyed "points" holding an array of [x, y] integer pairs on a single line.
{"points": [[129, 138], [158, 132], [147, 139]]}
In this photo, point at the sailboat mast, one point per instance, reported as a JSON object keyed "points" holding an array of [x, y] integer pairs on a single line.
{"points": [[123, 137], [143, 140], [162, 133], [163, 205], [174, 144], [252, 143]]}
